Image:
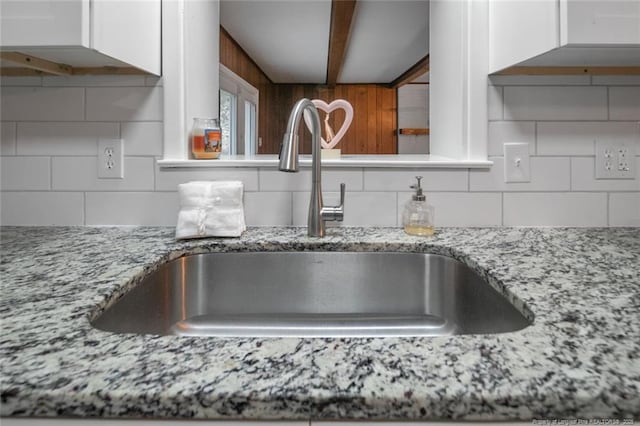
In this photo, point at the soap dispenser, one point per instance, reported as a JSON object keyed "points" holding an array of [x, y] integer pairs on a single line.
{"points": [[417, 218]]}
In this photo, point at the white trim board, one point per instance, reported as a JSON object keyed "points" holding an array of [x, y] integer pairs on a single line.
{"points": [[346, 161]]}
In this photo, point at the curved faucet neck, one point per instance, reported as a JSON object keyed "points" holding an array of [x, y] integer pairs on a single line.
{"points": [[289, 163], [290, 146]]}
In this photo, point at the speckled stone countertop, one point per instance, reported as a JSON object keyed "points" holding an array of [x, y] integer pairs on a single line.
{"points": [[580, 358]]}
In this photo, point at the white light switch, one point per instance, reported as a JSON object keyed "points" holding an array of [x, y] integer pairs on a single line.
{"points": [[516, 162]]}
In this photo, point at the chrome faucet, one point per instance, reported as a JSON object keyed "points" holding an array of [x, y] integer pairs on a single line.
{"points": [[318, 213]]}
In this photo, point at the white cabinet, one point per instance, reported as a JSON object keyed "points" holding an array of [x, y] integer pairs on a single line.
{"points": [[568, 33], [85, 33], [603, 22]]}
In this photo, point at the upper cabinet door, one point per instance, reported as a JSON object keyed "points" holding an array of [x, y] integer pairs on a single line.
{"points": [[519, 30], [129, 31], [605, 22], [85, 33], [570, 33], [44, 23]]}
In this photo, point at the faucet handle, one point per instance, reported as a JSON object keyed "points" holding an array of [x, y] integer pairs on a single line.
{"points": [[335, 213]]}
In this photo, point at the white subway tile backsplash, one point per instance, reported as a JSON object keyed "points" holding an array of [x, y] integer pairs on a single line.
{"points": [[616, 80], [275, 180], [555, 209], [124, 104], [578, 138], [169, 179], [42, 104], [583, 177], [401, 180], [25, 173], [540, 80], [495, 108], [7, 138], [142, 138], [547, 174], [501, 132], [624, 209], [555, 103], [42, 208], [49, 165], [68, 138], [361, 208], [132, 208], [94, 80], [460, 208], [81, 174], [268, 208], [624, 103]]}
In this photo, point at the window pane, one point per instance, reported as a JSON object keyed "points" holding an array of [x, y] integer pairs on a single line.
{"points": [[228, 119], [249, 128]]}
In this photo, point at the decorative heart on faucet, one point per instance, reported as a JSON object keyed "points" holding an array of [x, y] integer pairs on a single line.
{"points": [[328, 108]]}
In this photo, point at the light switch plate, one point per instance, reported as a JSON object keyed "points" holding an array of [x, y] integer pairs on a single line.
{"points": [[516, 162], [615, 160]]}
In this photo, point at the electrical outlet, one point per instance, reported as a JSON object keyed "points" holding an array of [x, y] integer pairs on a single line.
{"points": [[615, 160], [110, 159], [516, 162]]}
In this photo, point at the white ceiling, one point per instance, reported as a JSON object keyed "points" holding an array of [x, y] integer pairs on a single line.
{"points": [[387, 38], [289, 39]]}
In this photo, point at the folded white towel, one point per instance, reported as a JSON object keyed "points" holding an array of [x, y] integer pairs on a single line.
{"points": [[210, 209]]}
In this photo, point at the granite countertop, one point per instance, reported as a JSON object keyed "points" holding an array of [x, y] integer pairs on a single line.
{"points": [[580, 358]]}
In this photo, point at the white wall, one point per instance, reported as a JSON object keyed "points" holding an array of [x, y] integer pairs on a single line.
{"points": [[50, 128], [413, 112]]}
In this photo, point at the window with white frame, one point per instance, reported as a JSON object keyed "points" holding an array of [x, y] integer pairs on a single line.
{"points": [[238, 113]]}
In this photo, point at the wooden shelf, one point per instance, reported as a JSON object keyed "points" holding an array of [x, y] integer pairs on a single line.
{"points": [[416, 131], [27, 65], [547, 70]]}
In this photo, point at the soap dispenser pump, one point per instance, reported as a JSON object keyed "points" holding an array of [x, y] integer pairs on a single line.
{"points": [[417, 218]]}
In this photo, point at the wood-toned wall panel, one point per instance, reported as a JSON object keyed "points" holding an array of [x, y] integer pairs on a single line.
{"points": [[388, 105], [372, 131]]}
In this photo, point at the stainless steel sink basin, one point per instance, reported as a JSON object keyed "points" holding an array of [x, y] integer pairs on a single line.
{"points": [[327, 294]]}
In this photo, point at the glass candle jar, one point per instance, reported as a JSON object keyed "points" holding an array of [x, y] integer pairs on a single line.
{"points": [[206, 138]]}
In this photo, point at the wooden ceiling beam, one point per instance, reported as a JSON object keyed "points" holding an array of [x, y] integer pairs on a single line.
{"points": [[419, 68], [341, 17]]}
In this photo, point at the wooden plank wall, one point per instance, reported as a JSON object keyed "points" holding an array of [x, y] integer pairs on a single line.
{"points": [[373, 130]]}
